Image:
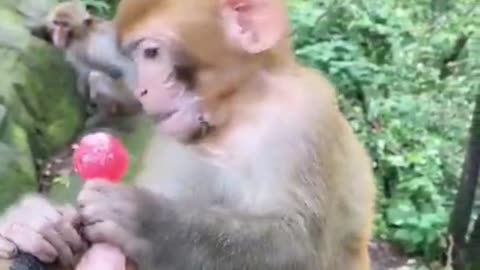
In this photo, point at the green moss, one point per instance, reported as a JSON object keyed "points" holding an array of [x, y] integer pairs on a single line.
{"points": [[17, 172], [37, 95], [40, 92], [14, 179]]}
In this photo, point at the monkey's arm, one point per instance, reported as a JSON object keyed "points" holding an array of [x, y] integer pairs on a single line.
{"points": [[160, 233], [192, 237], [109, 65], [103, 55], [41, 32]]}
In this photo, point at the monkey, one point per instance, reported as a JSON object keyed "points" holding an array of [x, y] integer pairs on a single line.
{"points": [[251, 164], [89, 45], [89, 41]]}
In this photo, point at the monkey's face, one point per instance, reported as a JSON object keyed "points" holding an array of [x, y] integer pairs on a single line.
{"points": [[192, 56], [61, 33], [63, 19], [166, 89]]}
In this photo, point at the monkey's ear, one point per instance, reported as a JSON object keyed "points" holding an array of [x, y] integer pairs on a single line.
{"points": [[254, 25]]}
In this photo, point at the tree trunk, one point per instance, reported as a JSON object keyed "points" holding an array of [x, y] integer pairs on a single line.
{"points": [[461, 214], [474, 246]]}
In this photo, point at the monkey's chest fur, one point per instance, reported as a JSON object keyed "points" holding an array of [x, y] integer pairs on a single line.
{"points": [[182, 175]]}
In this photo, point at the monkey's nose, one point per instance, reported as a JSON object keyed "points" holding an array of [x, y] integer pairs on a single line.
{"points": [[144, 93]]}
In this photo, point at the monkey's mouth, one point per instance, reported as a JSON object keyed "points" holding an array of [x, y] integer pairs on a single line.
{"points": [[68, 39], [183, 124]]}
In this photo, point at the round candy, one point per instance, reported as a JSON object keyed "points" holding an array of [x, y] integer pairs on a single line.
{"points": [[100, 155]]}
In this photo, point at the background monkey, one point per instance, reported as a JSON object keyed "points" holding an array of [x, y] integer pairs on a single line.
{"points": [[258, 168], [89, 45]]}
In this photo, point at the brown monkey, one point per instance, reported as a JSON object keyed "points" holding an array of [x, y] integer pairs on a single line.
{"points": [[252, 165], [89, 45]]}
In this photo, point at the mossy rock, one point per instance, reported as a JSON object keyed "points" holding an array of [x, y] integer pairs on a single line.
{"points": [[17, 172], [40, 112]]}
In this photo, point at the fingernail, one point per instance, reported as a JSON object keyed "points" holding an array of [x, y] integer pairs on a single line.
{"points": [[46, 258]]}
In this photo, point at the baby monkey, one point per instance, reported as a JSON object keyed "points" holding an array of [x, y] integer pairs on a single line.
{"points": [[104, 75]]}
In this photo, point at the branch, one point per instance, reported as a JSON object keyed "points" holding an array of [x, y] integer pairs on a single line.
{"points": [[460, 44]]}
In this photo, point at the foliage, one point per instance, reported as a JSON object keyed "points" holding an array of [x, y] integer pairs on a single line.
{"points": [[410, 107], [104, 8], [406, 83]]}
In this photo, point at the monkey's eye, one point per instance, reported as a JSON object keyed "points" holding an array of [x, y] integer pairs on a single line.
{"points": [[88, 22], [185, 74], [60, 23], [150, 53]]}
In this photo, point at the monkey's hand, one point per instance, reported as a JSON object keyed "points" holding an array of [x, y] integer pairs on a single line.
{"points": [[35, 226], [152, 231], [110, 214]]}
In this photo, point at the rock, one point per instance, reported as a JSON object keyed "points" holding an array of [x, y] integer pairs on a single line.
{"points": [[39, 111]]}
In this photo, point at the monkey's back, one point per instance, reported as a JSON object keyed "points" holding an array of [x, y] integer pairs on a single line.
{"points": [[345, 177]]}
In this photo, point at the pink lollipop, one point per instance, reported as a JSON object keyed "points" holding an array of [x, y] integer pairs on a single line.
{"points": [[100, 155]]}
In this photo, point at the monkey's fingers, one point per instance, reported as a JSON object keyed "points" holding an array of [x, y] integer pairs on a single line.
{"points": [[7, 249], [37, 205], [99, 185], [72, 237], [30, 241], [108, 232], [68, 228], [64, 251], [93, 191], [43, 224], [117, 212], [102, 192], [70, 215]]}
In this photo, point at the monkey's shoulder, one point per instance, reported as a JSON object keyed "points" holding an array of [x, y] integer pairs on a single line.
{"points": [[306, 93], [318, 84]]}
